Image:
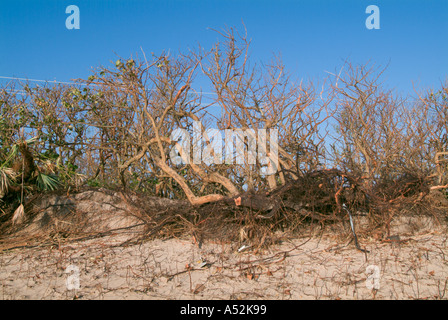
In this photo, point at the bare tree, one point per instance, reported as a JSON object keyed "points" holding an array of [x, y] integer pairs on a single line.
{"points": [[157, 125]]}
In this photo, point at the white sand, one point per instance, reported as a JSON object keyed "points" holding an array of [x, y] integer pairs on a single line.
{"points": [[322, 268]]}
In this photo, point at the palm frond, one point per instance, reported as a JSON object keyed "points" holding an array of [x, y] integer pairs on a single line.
{"points": [[12, 154], [79, 179], [47, 181], [7, 176], [15, 150], [31, 141], [19, 215]]}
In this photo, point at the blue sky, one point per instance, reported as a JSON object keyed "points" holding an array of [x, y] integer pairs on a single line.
{"points": [[312, 36]]}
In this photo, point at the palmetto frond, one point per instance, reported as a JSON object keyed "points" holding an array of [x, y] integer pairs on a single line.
{"points": [[19, 215], [47, 181], [7, 176], [15, 150]]}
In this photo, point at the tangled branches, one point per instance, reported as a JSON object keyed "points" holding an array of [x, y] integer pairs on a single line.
{"points": [[118, 129]]}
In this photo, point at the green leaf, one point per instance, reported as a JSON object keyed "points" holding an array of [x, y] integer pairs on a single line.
{"points": [[119, 64], [130, 63], [12, 155], [47, 181]]}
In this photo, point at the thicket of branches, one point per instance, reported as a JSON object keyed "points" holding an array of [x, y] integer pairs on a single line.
{"points": [[348, 139]]}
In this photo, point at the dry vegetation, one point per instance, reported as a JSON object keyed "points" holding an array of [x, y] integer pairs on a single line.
{"points": [[346, 141]]}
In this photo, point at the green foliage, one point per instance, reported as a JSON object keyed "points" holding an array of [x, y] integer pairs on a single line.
{"points": [[84, 133], [94, 183], [47, 182], [7, 177]]}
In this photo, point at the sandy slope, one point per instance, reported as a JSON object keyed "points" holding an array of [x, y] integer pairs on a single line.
{"points": [[316, 268]]}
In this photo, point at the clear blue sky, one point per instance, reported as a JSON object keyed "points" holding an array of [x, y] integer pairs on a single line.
{"points": [[311, 35]]}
